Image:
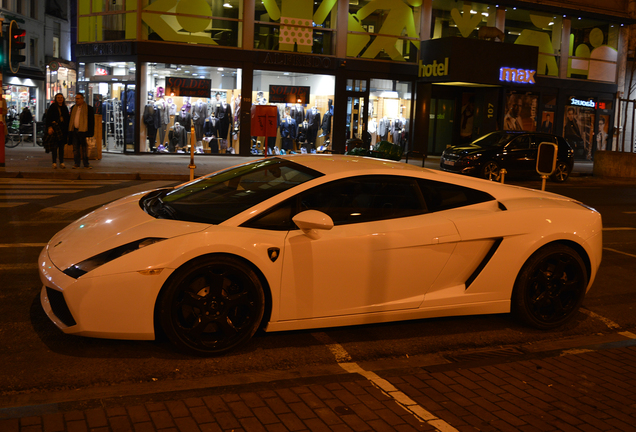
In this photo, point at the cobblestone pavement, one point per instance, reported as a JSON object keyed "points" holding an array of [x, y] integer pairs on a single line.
{"points": [[587, 389]]}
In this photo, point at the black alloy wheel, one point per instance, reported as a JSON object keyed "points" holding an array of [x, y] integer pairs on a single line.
{"points": [[561, 172], [211, 305], [550, 287], [491, 171]]}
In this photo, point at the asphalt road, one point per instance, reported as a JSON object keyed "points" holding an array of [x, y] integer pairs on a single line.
{"points": [[37, 359]]}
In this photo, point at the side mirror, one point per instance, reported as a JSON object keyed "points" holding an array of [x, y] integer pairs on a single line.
{"points": [[310, 221]]}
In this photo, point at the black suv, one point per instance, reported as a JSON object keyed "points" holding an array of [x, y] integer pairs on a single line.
{"points": [[515, 151]]}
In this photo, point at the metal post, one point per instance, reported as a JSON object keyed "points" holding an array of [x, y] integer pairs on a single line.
{"points": [[543, 179], [192, 166], [503, 174]]}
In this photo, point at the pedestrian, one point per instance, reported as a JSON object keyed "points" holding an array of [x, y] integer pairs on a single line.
{"points": [[26, 120], [57, 119], [81, 126]]}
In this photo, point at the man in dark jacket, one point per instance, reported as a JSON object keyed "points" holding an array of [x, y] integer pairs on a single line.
{"points": [[81, 126], [57, 116]]}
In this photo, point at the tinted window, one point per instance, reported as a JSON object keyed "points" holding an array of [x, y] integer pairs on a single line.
{"points": [[520, 143], [218, 197], [370, 198], [352, 200], [444, 196]]}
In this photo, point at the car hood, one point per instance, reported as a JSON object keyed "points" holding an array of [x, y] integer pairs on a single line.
{"points": [[112, 225], [464, 150]]}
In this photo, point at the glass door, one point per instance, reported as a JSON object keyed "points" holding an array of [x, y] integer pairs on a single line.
{"points": [[357, 95]]}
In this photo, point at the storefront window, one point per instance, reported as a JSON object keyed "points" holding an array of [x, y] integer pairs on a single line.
{"points": [[60, 79], [384, 29], [389, 112], [578, 127], [295, 25], [291, 112], [20, 94], [593, 50], [521, 111], [110, 88], [190, 106]]}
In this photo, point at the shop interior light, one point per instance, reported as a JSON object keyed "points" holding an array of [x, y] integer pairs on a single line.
{"points": [[227, 5]]}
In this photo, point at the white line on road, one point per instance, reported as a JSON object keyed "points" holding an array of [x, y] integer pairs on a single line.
{"points": [[19, 266], [619, 229], [608, 322], [344, 360], [10, 245], [628, 334], [96, 200], [617, 251]]}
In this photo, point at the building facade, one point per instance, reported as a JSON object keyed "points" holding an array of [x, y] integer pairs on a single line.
{"points": [[48, 68], [248, 77]]}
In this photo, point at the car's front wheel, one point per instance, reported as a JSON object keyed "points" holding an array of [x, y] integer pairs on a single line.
{"points": [[561, 172], [550, 287], [211, 305], [491, 171]]}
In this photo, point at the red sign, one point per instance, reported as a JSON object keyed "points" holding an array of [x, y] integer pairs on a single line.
{"points": [[289, 94], [176, 86]]}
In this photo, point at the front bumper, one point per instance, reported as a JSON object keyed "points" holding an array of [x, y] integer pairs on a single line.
{"points": [[117, 306]]}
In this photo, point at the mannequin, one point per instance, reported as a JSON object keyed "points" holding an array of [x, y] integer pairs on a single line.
{"points": [[211, 132], [199, 114], [288, 132], [177, 138], [223, 113], [313, 120], [164, 115], [152, 122]]}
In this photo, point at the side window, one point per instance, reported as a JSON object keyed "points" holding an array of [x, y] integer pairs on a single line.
{"points": [[352, 200], [520, 143], [444, 196], [538, 139], [365, 199]]}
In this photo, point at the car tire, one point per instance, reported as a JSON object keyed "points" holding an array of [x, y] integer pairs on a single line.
{"points": [[550, 287], [211, 305], [561, 172], [491, 171]]}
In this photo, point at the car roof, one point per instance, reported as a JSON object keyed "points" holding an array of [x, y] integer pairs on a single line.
{"points": [[339, 164]]}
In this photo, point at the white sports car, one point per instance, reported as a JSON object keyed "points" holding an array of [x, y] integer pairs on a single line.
{"points": [[308, 241]]}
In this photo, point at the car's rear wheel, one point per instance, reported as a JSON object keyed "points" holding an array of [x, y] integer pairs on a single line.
{"points": [[561, 172], [550, 287], [211, 305], [491, 171]]}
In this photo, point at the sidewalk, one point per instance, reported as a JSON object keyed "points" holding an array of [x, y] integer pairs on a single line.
{"points": [[590, 388], [29, 161]]}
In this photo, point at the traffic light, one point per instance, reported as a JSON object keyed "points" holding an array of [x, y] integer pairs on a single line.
{"points": [[16, 45]]}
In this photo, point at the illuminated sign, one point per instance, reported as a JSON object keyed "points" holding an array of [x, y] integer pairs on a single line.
{"points": [[584, 103], [434, 69], [521, 76], [289, 94]]}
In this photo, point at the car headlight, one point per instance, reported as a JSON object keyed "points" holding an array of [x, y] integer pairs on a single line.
{"points": [[83, 267]]}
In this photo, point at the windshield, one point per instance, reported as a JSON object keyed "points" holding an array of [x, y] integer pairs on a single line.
{"points": [[494, 139], [222, 195]]}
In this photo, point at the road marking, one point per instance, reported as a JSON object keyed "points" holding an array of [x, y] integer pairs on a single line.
{"points": [[628, 334], [12, 192], [620, 252], [97, 200], [608, 322], [11, 204], [18, 267], [344, 361], [619, 229], [23, 197], [9, 245]]}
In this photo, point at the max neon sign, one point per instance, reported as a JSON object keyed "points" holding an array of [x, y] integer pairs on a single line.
{"points": [[521, 76]]}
